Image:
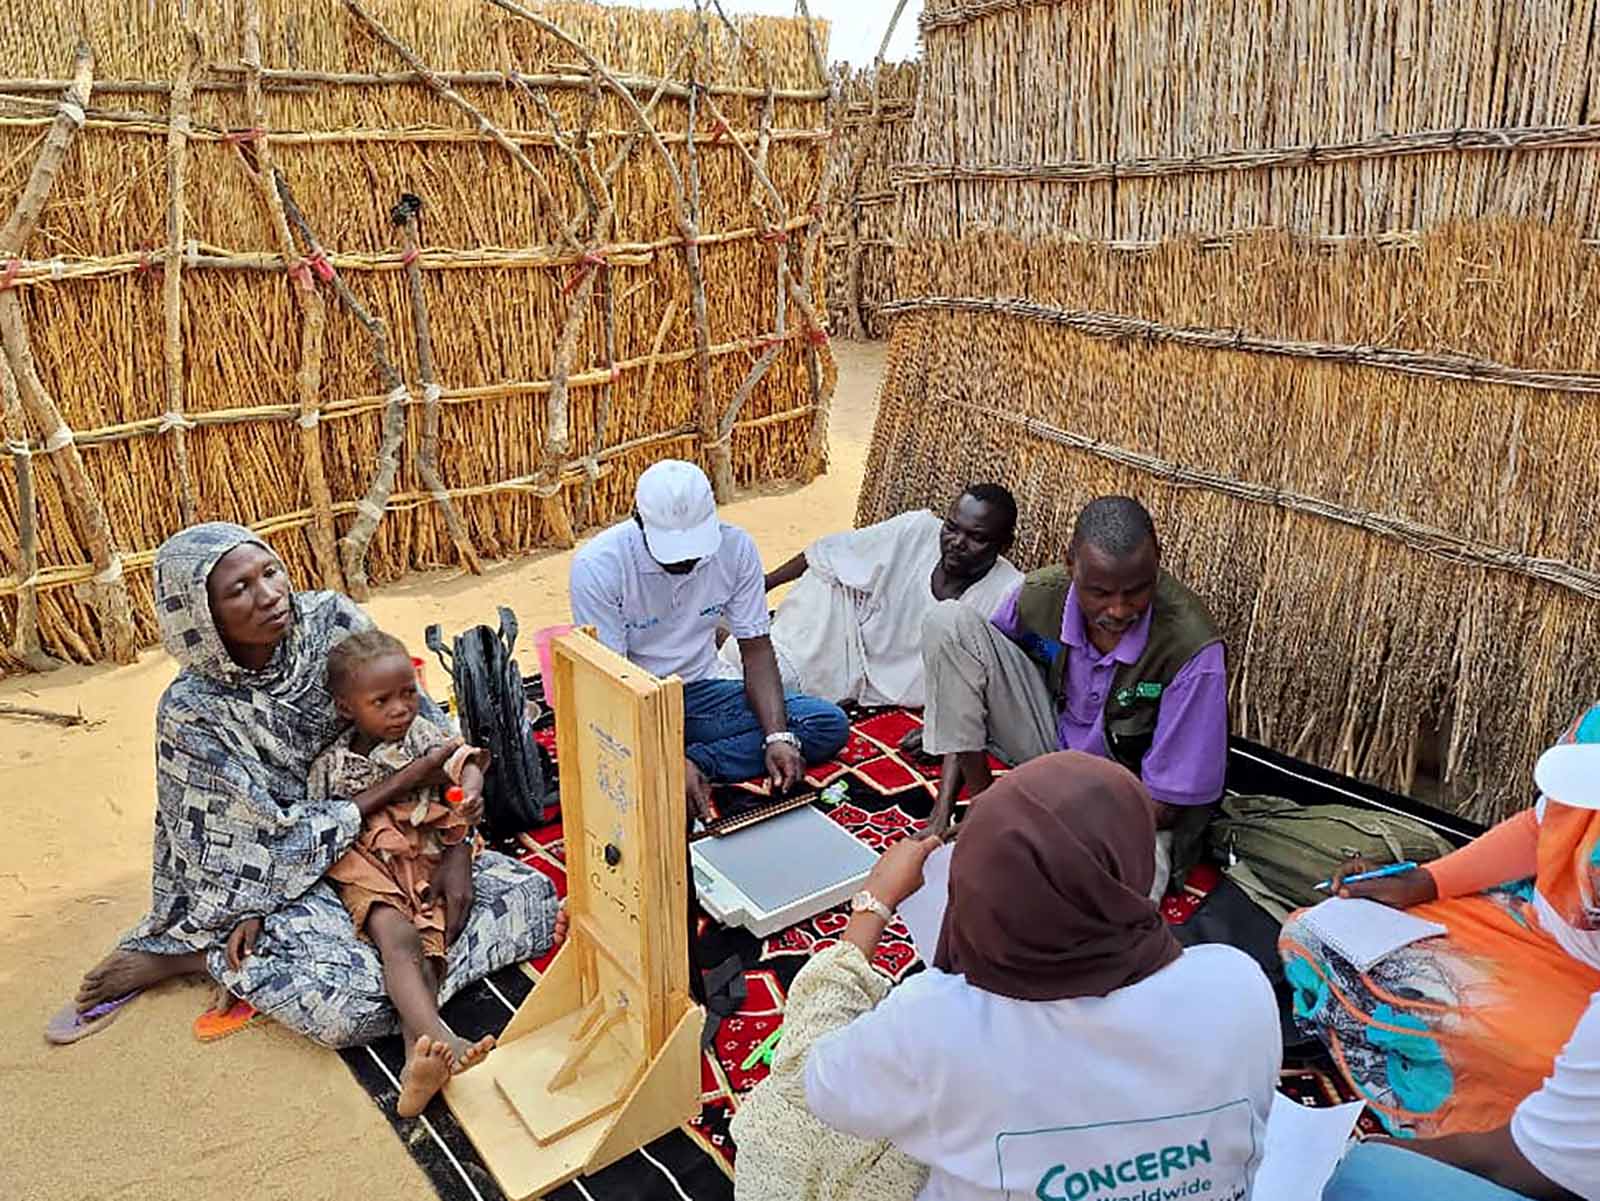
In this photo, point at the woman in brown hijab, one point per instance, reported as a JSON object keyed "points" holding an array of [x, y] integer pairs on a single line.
{"points": [[1062, 1045]]}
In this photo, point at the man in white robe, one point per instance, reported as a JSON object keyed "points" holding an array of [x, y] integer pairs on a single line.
{"points": [[851, 627]]}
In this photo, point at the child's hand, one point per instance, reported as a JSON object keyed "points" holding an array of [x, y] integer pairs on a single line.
{"points": [[471, 806], [242, 942]]}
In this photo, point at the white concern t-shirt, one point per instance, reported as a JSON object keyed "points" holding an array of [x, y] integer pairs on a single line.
{"points": [[663, 622], [1557, 1129], [1158, 1092]]}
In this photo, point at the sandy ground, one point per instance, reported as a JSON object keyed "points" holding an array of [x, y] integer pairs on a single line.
{"points": [[141, 1110]]}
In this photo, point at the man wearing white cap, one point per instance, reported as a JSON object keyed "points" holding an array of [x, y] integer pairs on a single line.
{"points": [[655, 588], [1480, 1049]]}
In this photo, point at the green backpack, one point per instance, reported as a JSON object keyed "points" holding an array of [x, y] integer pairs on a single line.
{"points": [[1277, 851]]}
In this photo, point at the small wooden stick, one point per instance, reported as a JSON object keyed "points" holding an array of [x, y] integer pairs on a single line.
{"points": [[568, 1071], [592, 1013], [370, 509], [49, 715], [405, 216]]}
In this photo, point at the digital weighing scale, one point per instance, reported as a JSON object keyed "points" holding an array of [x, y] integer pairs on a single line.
{"points": [[779, 871]]}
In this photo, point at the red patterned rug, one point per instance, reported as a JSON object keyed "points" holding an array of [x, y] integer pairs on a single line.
{"points": [[885, 797]]}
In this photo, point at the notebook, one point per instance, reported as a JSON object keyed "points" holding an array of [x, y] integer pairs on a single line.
{"points": [[1363, 932]]}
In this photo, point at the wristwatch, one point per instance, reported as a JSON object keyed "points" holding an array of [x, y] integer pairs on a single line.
{"points": [[787, 736], [865, 902]]}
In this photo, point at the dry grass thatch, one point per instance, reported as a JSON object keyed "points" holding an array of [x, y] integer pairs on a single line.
{"points": [[224, 308], [1316, 284], [877, 104]]}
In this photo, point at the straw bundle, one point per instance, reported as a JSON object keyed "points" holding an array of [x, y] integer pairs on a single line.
{"points": [[1319, 286], [877, 106], [237, 319]]}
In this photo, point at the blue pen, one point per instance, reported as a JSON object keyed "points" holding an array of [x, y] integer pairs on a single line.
{"points": [[1394, 869]]}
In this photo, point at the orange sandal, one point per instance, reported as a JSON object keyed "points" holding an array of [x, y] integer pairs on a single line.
{"points": [[212, 1025]]}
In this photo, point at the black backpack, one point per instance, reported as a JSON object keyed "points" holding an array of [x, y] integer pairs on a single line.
{"points": [[494, 715]]}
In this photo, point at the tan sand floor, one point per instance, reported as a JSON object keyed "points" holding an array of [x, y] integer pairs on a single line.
{"points": [[142, 1110]]}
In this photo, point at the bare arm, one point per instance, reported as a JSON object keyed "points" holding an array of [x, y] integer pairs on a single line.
{"points": [[763, 686], [424, 772], [788, 573], [1494, 1156]]}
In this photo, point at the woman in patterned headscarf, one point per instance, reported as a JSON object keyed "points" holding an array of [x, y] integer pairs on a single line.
{"points": [[240, 852]]}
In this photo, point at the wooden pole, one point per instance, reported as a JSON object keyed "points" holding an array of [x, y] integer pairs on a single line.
{"points": [[868, 139], [25, 643], [186, 59], [541, 185], [823, 371], [313, 314], [370, 508], [685, 209], [406, 215], [108, 590]]}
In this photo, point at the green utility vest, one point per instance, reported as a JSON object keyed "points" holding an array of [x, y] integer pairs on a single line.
{"points": [[1180, 628]]}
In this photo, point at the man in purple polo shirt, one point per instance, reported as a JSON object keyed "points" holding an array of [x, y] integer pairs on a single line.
{"points": [[1106, 654]]}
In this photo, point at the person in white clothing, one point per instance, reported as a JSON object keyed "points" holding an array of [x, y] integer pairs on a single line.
{"points": [[656, 587], [1061, 1045], [851, 627]]}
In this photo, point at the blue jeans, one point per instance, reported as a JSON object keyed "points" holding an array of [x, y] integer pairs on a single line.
{"points": [[1380, 1172], [724, 739]]}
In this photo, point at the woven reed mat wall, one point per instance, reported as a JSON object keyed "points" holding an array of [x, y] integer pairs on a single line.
{"points": [[874, 136], [1315, 283], [617, 258]]}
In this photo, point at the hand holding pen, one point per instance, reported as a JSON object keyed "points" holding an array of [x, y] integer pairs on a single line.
{"points": [[1399, 885]]}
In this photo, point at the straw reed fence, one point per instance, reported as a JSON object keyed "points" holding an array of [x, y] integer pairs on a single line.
{"points": [[399, 285], [877, 106], [1320, 286]]}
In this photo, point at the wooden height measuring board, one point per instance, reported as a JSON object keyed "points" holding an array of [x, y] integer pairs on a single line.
{"points": [[604, 1055]]}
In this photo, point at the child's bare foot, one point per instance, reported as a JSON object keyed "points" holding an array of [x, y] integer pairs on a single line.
{"points": [[563, 923], [426, 1072], [470, 1055]]}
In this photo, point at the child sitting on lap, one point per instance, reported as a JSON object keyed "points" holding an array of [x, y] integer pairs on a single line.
{"points": [[386, 878]]}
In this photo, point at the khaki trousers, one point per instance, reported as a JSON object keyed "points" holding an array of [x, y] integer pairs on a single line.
{"points": [[985, 693]]}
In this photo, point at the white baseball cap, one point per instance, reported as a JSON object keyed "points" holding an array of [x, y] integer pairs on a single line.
{"points": [[678, 512], [1570, 773]]}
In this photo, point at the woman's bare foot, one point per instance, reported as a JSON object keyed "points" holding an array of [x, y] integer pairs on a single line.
{"points": [[563, 924], [123, 972], [470, 1055], [427, 1070]]}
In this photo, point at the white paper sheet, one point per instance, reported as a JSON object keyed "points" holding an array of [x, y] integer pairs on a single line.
{"points": [[923, 910], [1363, 932], [1304, 1146]]}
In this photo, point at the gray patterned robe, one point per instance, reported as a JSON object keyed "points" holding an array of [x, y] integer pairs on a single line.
{"points": [[236, 835]]}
